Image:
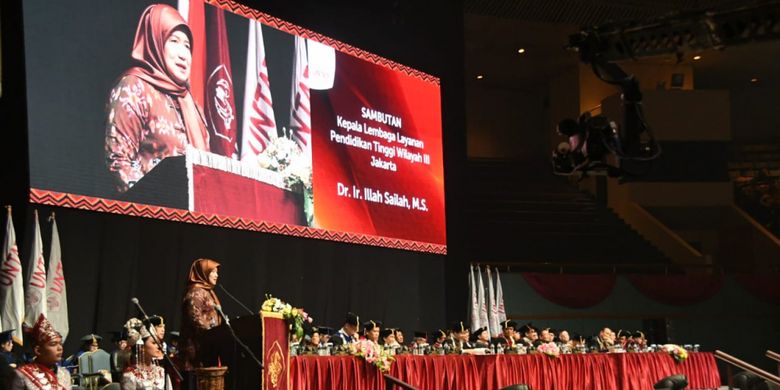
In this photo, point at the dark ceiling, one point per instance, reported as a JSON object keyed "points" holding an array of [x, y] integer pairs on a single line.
{"points": [[589, 12], [495, 30]]}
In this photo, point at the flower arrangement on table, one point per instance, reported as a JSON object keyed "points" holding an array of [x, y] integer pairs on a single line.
{"points": [[372, 353], [295, 317], [283, 155], [549, 349], [677, 352]]}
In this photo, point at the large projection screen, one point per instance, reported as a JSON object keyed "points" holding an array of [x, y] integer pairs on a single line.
{"points": [[215, 113]]}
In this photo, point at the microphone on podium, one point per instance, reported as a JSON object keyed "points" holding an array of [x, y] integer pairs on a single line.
{"points": [[218, 308]]}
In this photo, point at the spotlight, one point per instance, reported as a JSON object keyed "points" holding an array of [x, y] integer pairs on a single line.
{"points": [[674, 382], [696, 57], [521, 50], [754, 80], [480, 77]]}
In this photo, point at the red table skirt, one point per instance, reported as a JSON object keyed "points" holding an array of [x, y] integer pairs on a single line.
{"points": [[635, 371]]}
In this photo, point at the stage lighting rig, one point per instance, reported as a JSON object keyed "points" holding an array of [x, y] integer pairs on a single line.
{"points": [[594, 140]]}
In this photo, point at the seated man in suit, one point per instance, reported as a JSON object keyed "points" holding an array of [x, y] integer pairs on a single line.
{"points": [[507, 337], [604, 341], [89, 343], [459, 337], [349, 332], [480, 338], [530, 337]]}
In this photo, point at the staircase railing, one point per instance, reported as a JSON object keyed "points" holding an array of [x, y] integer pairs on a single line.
{"points": [[733, 361], [391, 381], [774, 356]]}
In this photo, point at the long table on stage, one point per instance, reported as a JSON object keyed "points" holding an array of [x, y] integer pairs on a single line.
{"points": [[629, 371]]}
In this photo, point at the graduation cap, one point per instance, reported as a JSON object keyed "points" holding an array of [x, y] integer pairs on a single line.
{"points": [[623, 333], [325, 330], [527, 328], [639, 334], [440, 333], [118, 336], [420, 334], [476, 333], [509, 324], [352, 319], [154, 320], [459, 326], [6, 336], [386, 332], [311, 330], [371, 324], [91, 339], [174, 334]]}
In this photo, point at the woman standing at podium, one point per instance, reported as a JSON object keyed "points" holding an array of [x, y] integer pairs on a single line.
{"points": [[199, 312], [151, 112]]}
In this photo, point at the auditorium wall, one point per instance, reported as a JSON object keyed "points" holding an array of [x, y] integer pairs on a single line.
{"points": [[732, 320]]}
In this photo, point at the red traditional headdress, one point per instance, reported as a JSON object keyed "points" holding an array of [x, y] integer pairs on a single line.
{"points": [[44, 331]]}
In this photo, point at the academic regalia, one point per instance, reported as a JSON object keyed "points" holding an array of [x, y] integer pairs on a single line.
{"points": [[342, 337]]}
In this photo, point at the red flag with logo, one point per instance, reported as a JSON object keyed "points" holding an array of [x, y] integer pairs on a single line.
{"points": [[194, 12], [220, 104]]}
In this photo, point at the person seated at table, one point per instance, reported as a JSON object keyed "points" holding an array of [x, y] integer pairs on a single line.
{"points": [[604, 341], [480, 338], [89, 343], [8, 361], [624, 339], [371, 330], [420, 339], [311, 341], [507, 337], [640, 340], [325, 334], [459, 338], [547, 335], [441, 337], [565, 342], [173, 346], [530, 337], [387, 339], [348, 332]]}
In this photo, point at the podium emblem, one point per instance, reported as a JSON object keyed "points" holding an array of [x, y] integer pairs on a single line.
{"points": [[275, 365]]}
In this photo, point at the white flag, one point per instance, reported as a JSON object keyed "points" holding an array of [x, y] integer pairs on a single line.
{"points": [[500, 299], [300, 116], [11, 284], [258, 127], [483, 311], [474, 306], [57, 297], [493, 327], [35, 293]]}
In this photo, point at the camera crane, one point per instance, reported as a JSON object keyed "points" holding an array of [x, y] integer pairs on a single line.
{"points": [[593, 139]]}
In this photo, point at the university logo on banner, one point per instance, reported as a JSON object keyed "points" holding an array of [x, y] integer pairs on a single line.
{"points": [[219, 105]]}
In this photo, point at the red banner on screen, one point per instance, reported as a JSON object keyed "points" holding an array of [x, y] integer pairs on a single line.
{"points": [[377, 153]]}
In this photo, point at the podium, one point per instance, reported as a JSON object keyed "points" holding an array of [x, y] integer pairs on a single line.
{"points": [[218, 348], [267, 336], [211, 184]]}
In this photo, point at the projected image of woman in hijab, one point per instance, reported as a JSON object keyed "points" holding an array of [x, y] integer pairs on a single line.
{"points": [[151, 113]]}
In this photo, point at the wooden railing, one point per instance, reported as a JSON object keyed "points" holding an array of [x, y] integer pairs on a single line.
{"points": [[776, 357], [391, 381], [733, 361]]}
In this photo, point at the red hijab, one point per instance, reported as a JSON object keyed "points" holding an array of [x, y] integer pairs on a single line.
{"points": [[199, 276], [157, 23]]}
